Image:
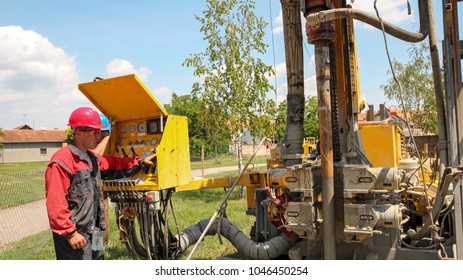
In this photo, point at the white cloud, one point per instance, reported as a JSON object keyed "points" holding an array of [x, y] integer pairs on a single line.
{"points": [[280, 72], [310, 86], [278, 27], [278, 24], [162, 91], [120, 67], [162, 94], [310, 89], [38, 81], [394, 12]]}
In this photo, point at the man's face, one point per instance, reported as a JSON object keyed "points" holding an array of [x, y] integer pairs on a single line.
{"points": [[87, 138]]}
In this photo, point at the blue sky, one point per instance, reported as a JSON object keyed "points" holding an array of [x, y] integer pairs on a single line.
{"points": [[48, 47]]}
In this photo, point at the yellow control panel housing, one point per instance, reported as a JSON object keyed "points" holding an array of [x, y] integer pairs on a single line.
{"points": [[141, 126]]}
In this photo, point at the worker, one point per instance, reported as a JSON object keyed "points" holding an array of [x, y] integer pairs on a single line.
{"points": [[103, 139], [106, 130], [73, 186]]}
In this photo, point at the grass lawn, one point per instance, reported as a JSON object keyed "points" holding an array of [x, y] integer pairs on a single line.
{"points": [[226, 161], [21, 167], [21, 183], [189, 208]]}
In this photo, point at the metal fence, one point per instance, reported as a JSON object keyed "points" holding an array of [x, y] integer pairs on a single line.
{"points": [[24, 227]]}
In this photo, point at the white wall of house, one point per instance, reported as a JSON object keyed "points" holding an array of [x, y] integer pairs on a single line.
{"points": [[28, 152], [248, 150], [248, 145]]}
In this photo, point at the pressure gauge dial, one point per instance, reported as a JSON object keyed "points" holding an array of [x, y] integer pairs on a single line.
{"points": [[154, 141], [123, 129], [132, 128], [141, 127]]}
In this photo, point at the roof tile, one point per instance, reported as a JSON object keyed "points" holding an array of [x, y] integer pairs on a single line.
{"points": [[32, 136]]}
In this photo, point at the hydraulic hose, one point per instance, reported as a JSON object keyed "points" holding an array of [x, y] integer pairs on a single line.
{"points": [[224, 201], [271, 249], [317, 18], [439, 202]]}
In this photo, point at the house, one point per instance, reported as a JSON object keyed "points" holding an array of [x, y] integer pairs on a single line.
{"points": [[23, 144], [248, 145], [391, 115]]}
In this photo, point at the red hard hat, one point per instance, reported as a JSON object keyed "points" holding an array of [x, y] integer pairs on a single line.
{"points": [[85, 117]]}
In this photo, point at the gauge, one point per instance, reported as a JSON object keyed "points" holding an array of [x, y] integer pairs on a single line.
{"points": [[154, 141], [132, 128], [141, 127], [123, 129]]}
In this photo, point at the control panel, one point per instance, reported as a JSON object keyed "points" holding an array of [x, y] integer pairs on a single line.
{"points": [[138, 136], [141, 126]]}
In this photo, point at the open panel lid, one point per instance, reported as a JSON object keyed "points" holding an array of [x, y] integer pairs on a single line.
{"points": [[122, 98]]}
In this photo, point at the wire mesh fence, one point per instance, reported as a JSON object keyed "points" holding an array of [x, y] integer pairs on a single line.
{"points": [[23, 214]]}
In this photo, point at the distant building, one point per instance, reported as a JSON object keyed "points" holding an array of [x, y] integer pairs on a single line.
{"points": [[249, 144], [391, 115], [23, 144]]}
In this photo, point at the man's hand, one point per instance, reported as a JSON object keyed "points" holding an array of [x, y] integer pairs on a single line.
{"points": [[77, 241], [149, 160]]}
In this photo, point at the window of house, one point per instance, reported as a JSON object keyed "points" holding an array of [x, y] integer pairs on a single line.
{"points": [[43, 151]]}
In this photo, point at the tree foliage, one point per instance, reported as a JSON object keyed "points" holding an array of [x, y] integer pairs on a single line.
{"points": [[280, 127], [70, 135], [263, 125], [233, 81], [311, 123], [417, 96], [190, 107]]}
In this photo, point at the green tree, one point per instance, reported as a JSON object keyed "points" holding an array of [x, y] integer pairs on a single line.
{"points": [[69, 134], [280, 127], [311, 124], [233, 81], [190, 107], [262, 125], [417, 96]]}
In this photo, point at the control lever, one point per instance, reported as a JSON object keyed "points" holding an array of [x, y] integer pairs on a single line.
{"points": [[123, 151]]}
